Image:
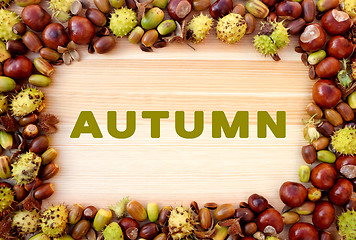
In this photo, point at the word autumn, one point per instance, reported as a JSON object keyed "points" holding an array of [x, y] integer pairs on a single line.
{"points": [[86, 123]]}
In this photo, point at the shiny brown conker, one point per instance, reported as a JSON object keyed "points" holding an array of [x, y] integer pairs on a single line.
{"points": [[326, 94], [323, 176], [35, 17], [323, 215], [341, 192], [293, 194], [303, 231], [270, 217], [289, 10], [18, 68], [328, 68], [220, 8], [179, 9], [336, 22], [245, 215], [343, 161], [313, 38], [127, 223], [257, 203], [339, 47], [81, 30], [55, 35]]}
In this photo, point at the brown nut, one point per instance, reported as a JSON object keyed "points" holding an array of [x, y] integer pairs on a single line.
{"points": [[49, 54], [314, 194], [44, 191], [149, 38], [195, 207], [205, 218], [326, 128], [245, 215], [137, 211], [164, 215], [43, 66], [224, 211], [48, 156], [239, 9], [290, 218], [19, 28], [103, 5], [30, 131], [250, 228], [39, 144], [345, 111], [200, 5], [149, 231], [309, 10], [81, 229], [309, 154], [333, 117], [314, 111], [75, 213], [104, 44], [16, 47], [49, 171], [161, 236], [90, 212], [31, 118], [96, 17], [20, 193], [34, 184], [289, 10], [32, 41], [251, 23], [321, 143], [306, 208], [296, 26]]}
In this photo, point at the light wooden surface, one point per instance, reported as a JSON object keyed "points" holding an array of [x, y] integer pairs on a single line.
{"points": [[172, 170]]}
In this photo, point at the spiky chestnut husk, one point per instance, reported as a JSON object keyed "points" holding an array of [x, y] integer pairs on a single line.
{"points": [[122, 21], [231, 28], [25, 168], [181, 223], [61, 9], [353, 67], [3, 103], [349, 6], [7, 198], [344, 141], [199, 27], [26, 221], [7, 20], [27, 101], [113, 232], [347, 225], [54, 221], [120, 207], [271, 37], [4, 3]]}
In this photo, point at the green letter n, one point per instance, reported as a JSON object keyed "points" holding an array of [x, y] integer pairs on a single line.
{"points": [[264, 120]]}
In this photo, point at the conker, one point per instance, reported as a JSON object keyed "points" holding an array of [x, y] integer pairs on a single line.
{"points": [[149, 231], [336, 22], [326, 94], [341, 192], [303, 231], [55, 35], [127, 223], [289, 10], [323, 215], [323, 176], [179, 9], [270, 217], [257, 203], [35, 17], [81, 30], [339, 47], [328, 68], [18, 68], [220, 8], [293, 194], [245, 215], [313, 38]]}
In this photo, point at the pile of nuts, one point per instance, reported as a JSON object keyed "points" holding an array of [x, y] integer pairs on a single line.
{"points": [[331, 130]]}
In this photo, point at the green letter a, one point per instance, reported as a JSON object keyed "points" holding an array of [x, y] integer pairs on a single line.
{"points": [[92, 127]]}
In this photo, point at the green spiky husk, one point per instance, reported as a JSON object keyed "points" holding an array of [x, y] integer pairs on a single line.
{"points": [[231, 28], [7, 198], [26, 221], [271, 37], [344, 141], [54, 221], [353, 67], [120, 207], [61, 5], [7, 20], [25, 168], [5, 3], [122, 21], [349, 6], [181, 223], [27, 101], [113, 232], [199, 27], [347, 225]]}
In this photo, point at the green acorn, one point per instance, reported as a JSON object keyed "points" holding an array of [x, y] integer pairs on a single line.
{"points": [[7, 198], [54, 221], [27, 101], [7, 20], [122, 21], [25, 167], [199, 27], [26, 221]]}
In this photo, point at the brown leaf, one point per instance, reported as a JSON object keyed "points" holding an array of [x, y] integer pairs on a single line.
{"points": [[30, 203], [5, 228], [206, 234], [47, 123], [8, 123], [228, 222], [235, 229]]}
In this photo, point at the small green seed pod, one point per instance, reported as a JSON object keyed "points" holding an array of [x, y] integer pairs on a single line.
{"points": [[162, 4], [152, 18], [48, 156], [166, 27], [5, 171], [351, 100], [326, 156], [40, 236], [116, 3], [7, 84], [6, 140], [316, 57], [4, 105], [152, 211], [136, 35], [25, 3], [304, 173], [102, 218], [39, 80]]}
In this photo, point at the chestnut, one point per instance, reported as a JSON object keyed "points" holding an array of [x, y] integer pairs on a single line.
{"points": [[344, 161], [303, 231], [220, 8], [323, 176], [127, 223], [328, 68], [313, 38], [270, 3], [245, 215], [55, 35], [339, 47], [324, 215], [293, 194], [149, 231], [18, 68], [270, 217], [289, 10], [326, 94], [341, 192], [325, 236], [336, 22], [179, 9], [257, 203], [81, 30], [309, 10], [35, 17]]}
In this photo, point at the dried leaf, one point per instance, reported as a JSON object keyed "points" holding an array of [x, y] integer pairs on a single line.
{"points": [[227, 223], [67, 59], [5, 228], [71, 46], [61, 49], [75, 55], [235, 229], [206, 234], [8, 123], [30, 203], [47, 123]]}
